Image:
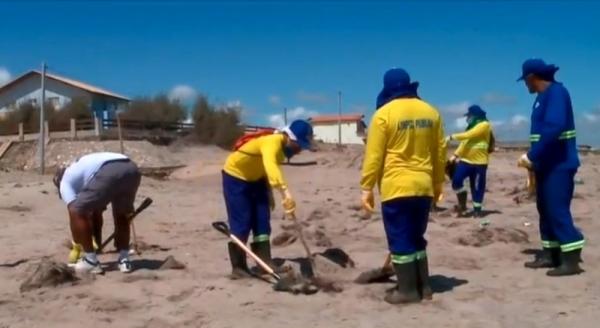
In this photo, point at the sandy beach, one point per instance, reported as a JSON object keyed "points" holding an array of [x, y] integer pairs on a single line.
{"points": [[477, 274]]}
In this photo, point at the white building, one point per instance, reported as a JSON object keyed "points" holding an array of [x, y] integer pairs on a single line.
{"points": [[59, 92], [326, 128]]}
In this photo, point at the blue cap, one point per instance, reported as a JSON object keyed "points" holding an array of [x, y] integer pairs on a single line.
{"points": [[396, 84], [303, 133], [538, 67], [476, 111]]}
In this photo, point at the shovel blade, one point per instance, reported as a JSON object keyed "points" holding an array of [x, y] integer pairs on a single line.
{"points": [[374, 276]]}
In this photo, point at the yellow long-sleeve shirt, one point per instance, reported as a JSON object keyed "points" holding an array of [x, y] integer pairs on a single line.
{"points": [[474, 144], [258, 158], [405, 152]]}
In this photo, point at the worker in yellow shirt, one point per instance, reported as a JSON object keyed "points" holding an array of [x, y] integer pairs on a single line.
{"points": [[250, 173], [471, 158], [405, 155]]}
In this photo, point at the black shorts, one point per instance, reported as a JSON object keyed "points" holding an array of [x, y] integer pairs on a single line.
{"points": [[116, 182]]}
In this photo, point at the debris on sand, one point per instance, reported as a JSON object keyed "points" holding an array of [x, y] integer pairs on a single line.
{"points": [[142, 246], [318, 214], [321, 239], [484, 237], [170, 263], [48, 273], [306, 277], [16, 208], [98, 304], [284, 239]]}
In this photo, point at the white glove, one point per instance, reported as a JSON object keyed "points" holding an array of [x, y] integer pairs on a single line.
{"points": [[524, 162]]}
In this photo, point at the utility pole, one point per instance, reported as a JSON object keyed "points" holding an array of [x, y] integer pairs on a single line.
{"points": [[42, 141], [285, 116], [339, 119]]}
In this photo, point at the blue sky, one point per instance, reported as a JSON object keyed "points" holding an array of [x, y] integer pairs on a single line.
{"points": [[270, 55]]}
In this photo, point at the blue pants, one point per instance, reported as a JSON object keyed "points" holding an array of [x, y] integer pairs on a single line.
{"points": [[554, 193], [405, 222], [477, 176], [247, 207]]}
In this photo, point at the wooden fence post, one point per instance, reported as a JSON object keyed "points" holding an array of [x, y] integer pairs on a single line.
{"points": [[73, 129], [21, 133], [120, 134], [46, 132], [96, 126]]}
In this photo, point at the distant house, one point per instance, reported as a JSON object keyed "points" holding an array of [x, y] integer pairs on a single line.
{"points": [[326, 129], [59, 92]]}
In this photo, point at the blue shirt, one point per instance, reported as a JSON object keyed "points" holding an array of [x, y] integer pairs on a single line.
{"points": [[553, 137], [79, 174]]}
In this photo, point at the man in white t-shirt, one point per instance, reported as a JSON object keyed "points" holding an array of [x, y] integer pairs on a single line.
{"points": [[87, 187]]}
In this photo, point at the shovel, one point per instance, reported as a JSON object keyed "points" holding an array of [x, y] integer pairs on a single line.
{"points": [[303, 241], [287, 284], [377, 275], [145, 203]]}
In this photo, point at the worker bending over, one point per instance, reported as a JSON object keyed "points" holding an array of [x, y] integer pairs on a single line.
{"points": [[250, 173]]}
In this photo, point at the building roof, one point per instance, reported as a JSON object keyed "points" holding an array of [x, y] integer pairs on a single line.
{"points": [[333, 119], [77, 84]]}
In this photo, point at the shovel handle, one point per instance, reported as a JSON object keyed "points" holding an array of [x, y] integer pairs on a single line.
{"points": [[145, 203], [224, 229]]}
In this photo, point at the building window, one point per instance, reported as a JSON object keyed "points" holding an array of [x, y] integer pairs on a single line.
{"points": [[54, 101]]}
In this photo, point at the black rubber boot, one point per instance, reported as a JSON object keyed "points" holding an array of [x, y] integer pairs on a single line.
{"points": [[549, 258], [477, 212], [262, 249], [239, 267], [423, 279], [569, 264], [406, 290], [461, 207]]}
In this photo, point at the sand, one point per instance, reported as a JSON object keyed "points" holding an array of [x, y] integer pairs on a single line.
{"points": [[477, 275]]}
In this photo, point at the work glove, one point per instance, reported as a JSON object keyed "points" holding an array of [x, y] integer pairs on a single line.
{"points": [[524, 162], [271, 199], [454, 159], [448, 139], [368, 201], [287, 202], [75, 253]]}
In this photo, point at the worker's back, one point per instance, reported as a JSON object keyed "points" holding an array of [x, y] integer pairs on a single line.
{"points": [[406, 136], [252, 161]]}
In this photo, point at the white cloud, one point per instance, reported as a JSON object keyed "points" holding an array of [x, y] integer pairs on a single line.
{"points": [[234, 104], [456, 109], [274, 100], [591, 117], [460, 123], [519, 119], [4, 75], [497, 123], [312, 97], [498, 99], [183, 93], [277, 120]]}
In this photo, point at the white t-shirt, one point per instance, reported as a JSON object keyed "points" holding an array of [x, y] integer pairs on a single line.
{"points": [[78, 174]]}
